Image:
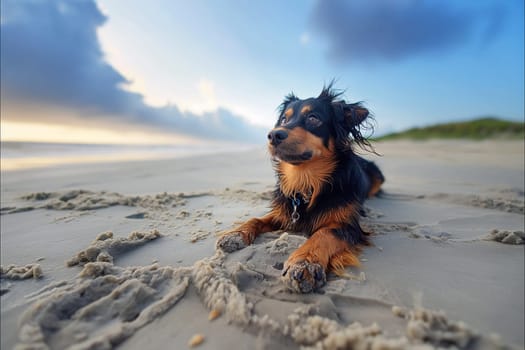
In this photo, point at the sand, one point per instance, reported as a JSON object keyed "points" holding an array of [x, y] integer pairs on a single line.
{"points": [[123, 255], [14, 272]]}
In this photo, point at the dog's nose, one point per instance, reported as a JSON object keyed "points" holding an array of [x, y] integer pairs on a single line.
{"points": [[277, 136]]}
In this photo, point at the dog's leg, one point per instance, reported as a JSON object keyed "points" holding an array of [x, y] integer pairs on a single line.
{"points": [[374, 174], [245, 234], [306, 268]]}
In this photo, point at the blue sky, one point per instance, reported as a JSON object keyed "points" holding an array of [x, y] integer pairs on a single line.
{"points": [[173, 71]]}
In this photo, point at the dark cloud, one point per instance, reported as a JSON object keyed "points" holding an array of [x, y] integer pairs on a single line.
{"points": [[362, 30], [50, 55]]}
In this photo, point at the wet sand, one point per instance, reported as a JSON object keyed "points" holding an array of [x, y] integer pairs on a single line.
{"points": [[123, 255]]}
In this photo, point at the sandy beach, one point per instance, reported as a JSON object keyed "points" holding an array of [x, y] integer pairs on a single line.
{"points": [[122, 254]]}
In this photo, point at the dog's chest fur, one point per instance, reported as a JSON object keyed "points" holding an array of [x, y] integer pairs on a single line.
{"points": [[306, 180], [304, 192]]}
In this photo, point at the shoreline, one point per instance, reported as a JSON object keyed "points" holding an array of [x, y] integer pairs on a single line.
{"points": [[35, 155]]}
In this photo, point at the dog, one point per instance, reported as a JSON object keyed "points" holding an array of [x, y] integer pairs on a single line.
{"points": [[321, 186]]}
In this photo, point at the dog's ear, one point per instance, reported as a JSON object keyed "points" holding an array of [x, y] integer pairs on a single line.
{"points": [[350, 115], [357, 114], [350, 118]]}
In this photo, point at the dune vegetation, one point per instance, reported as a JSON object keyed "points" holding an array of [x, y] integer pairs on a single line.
{"points": [[477, 129]]}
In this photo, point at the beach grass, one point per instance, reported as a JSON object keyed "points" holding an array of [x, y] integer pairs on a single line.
{"points": [[477, 129]]}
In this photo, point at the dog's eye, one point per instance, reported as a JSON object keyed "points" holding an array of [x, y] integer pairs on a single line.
{"points": [[313, 120], [282, 121]]}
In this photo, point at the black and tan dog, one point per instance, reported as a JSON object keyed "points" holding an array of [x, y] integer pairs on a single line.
{"points": [[321, 186]]}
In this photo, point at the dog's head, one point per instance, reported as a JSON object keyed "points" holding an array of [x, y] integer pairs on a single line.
{"points": [[316, 128]]}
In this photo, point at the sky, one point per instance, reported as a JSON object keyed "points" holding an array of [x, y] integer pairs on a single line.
{"points": [[177, 71]]}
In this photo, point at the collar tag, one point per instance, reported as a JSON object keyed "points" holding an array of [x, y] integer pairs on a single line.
{"points": [[296, 202]]}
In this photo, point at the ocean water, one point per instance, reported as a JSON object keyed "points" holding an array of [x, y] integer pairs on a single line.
{"points": [[24, 155]]}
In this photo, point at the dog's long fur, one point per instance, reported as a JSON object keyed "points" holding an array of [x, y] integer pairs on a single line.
{"points": [[318, 173]]}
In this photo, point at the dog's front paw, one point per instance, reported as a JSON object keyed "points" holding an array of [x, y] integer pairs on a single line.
{"points": [[304, 277], [231, 242]]}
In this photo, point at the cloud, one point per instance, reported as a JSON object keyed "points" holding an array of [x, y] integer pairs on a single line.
{"points": [[362, 30], [51, 56]]}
